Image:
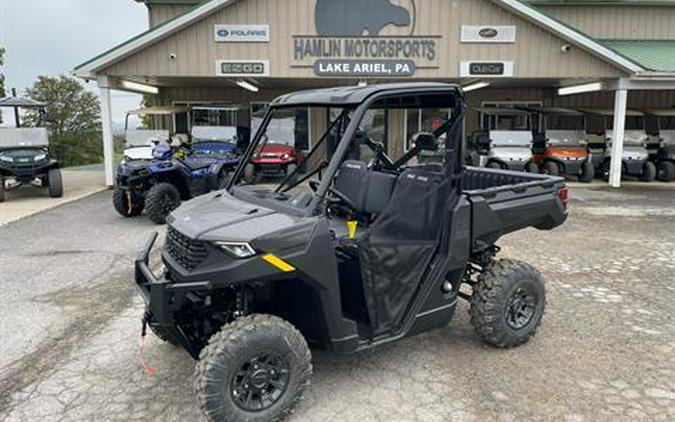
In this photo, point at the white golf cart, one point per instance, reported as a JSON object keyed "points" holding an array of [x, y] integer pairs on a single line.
{"points": [[140, 142], [504, 141], [635, 159], [662, 142]]}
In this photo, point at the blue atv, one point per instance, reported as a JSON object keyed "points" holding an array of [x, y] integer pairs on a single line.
{"points": [[158, 186]]}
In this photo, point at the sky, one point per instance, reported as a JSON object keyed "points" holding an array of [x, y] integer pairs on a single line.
{"points": [[49, 37]]}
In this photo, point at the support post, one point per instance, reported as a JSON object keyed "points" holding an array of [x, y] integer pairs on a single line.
{"points": [[620, 101], [106, 124]]}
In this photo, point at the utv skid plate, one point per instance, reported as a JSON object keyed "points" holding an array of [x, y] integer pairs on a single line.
{"points": [[160, 297]]}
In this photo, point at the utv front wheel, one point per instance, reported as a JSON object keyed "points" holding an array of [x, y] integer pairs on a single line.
{"points": [[507, 303], [55, 183], [255, 369], [160, 201], [551, 168], [126, 203]]}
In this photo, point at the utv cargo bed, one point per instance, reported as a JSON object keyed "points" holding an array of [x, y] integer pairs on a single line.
{"points": [[504, 201]]}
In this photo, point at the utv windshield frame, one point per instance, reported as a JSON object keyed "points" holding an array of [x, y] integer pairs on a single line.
{"points": [[359, 101]]}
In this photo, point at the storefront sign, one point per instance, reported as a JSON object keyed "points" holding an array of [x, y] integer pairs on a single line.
{"points": [[486, 68], [242, 68], [349, 41], [488, 34], [242, 33], [364, 68]]}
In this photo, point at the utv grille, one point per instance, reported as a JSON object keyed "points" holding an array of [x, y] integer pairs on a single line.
{"points": [[186, 252]]}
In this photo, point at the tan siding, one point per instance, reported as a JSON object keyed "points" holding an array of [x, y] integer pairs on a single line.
{"points": [[160, 13], [535, 54], [628, 22]]}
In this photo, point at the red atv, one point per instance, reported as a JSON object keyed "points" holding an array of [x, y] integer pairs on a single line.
{"points": [[273, 160]]}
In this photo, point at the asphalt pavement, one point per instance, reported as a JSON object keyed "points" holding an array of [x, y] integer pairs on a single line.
{"points": [[70, 329]]}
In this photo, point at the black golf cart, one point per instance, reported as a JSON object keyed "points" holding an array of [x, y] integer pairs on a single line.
{"points": [[358, 251], [24, 153]]}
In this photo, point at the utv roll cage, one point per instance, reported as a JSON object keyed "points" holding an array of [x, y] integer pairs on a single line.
{"points": [[355, 101]]}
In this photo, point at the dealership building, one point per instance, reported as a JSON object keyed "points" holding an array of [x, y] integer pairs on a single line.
{"points": [[234, 56]]}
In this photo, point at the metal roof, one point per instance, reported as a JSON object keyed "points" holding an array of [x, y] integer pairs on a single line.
{"points": [[661, 112], [158, 111], [655, 55], [610, 112], [20, 102], [351, 95]]}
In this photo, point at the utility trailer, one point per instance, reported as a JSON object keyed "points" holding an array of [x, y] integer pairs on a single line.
{"points": [[24, 153], [360, 251]]}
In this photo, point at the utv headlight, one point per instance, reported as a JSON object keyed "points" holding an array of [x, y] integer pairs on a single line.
{"points": [[239, 250], [40, 157], [6, 159]]}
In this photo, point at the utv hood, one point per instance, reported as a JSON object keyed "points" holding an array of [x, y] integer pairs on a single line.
{"points": [[219, 216]]}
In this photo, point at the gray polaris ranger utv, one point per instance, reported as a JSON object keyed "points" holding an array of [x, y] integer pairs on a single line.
{"points": [[358, 251]]}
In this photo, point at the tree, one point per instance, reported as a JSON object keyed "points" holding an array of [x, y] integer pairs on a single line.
{"points": [[70, 108], [146, 119], [72, 116], [2, 76]]}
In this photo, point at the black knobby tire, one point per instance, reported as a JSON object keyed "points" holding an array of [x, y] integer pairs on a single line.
{"points": [[121, 202], [160, 200], [531, 167], [666, 171], [551, 168], [648, 172], [2, 189], [223, 361], [494, 165], [55, 183], [587, 172], [496, 311], [249, 173], [605, 169]]}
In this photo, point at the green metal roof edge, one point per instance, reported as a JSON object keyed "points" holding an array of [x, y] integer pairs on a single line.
{"points": [[667, 3], [604, 41], [142, 34]]}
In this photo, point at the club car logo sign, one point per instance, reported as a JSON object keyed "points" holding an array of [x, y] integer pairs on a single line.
{"points": [[348, 41]]}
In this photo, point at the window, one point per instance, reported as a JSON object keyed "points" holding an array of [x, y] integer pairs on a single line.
{"points": [[287, 127]]}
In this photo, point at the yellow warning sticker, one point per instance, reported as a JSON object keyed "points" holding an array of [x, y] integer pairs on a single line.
{"points": [[278, 262], [351, 225]]}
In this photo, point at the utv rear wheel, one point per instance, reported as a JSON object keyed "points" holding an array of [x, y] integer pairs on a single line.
{"points": [[160, 201], [507, 303], [55, 183], [551, 168], [666, 171], [254, 369], [126, 203], [648, 172], [494, 165], [587, 172]]}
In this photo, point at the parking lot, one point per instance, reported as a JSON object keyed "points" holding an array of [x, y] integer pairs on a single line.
{"points": [[70, 329]]}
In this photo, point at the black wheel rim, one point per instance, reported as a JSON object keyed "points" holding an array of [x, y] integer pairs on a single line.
{"points": [[520, 308], [260, 382]]}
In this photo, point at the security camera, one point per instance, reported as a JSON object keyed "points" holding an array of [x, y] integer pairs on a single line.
{"points": [[565, 48], [172, 56]]}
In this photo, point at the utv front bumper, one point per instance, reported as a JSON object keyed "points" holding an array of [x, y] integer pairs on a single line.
{"points": [[163, 298]]}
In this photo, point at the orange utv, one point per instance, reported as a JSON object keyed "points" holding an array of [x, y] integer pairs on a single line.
{"points": [[560, 146]]}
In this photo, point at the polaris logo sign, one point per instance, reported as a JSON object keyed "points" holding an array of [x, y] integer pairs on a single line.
{"points": [[242, 33]]}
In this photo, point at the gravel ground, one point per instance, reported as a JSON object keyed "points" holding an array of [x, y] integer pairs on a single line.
{"points": [[70, 324]]}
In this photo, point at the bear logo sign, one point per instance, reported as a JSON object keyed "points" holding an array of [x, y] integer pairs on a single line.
{"points": [[345, 18]]}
